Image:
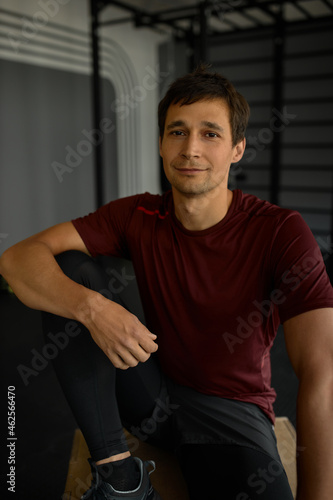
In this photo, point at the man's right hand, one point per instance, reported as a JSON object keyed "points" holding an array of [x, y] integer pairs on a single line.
{"points": [[120, 334]]}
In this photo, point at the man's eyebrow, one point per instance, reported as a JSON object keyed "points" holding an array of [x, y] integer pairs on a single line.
{"points": [[208, 124], [212, 125], [176, 123]]}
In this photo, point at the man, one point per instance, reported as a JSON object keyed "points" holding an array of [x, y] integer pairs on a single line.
{"points": [[217, 272]]}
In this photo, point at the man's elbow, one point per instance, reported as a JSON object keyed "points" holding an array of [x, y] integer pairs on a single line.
{"points": [[10, 266], [6, 262]]}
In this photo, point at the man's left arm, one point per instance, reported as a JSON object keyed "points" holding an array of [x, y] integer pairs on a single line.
{"points": [[309, 341]]}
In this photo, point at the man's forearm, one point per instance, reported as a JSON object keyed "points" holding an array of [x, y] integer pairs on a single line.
{"points": [[315, 441], [37, 280]]}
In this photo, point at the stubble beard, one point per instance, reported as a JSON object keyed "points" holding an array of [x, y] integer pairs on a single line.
{"points": [[190, 186]]}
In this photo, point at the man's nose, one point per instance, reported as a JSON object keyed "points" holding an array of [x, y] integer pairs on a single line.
{"points": [[191, 148]]}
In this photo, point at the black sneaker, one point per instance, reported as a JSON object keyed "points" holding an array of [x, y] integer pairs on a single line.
{"points": [[100, 490]]}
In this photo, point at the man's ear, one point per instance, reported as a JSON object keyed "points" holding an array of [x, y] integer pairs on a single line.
{"points": [[239, 151]]}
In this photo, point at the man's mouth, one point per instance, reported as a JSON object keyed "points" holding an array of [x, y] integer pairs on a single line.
{"points": [[189, 168]]}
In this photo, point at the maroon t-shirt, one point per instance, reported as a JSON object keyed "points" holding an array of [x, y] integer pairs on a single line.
{"points": [[216, 297]]}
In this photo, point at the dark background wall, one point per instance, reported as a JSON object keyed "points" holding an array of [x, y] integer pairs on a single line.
{"points": [[288, 81]]}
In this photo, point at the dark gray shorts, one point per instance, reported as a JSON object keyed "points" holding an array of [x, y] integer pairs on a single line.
{"points": [[185, 416]]}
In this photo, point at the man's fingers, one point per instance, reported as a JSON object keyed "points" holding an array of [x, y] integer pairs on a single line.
{"points": [[141, 353], [129, 357], [148, 345], [123, 364], [123, 338], [141, 338]]}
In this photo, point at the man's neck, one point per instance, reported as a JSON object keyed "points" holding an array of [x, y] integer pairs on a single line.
{"points": [[197, 213]]}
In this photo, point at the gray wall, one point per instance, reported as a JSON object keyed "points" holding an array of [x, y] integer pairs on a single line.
{"points": [[46, 148], [45, 107]]}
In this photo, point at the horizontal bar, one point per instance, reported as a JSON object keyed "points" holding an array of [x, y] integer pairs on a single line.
{"points": [[238, 62], [308, 210], [310, 100], [305, 189], [305, 55], [251, 83], [288, 189], [243, 35], [311, 77], [285, 168], [307, 145], [293, 125], [310, 123], [267, 32], [316, 24], [121, 20], [307, 168], [122, 5], [289, 101]]}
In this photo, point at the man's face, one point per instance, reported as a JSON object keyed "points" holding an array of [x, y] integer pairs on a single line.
{"points": [[197, 147]]}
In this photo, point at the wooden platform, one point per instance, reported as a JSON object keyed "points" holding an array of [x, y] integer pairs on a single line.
{"points": [[286, 441], [167, 479]]}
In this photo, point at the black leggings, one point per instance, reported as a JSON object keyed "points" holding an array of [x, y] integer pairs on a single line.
{"points": [[102, 398]]}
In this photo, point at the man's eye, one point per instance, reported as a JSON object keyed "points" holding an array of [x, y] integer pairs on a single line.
{"points": [[177, 132], [211, 134]]}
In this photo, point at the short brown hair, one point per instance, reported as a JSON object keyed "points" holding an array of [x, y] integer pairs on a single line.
{"points": [[203, 85]]}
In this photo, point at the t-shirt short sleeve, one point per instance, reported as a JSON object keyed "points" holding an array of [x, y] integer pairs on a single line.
{"points": [[300, 280], [104, 231]]}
